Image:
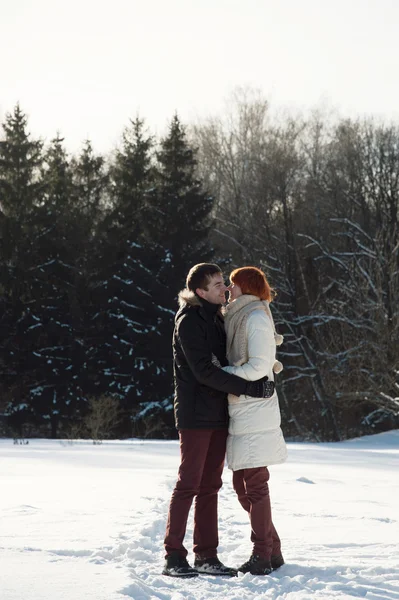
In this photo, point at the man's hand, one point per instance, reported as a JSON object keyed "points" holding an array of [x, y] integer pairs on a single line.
{"points": [[262, 388]]}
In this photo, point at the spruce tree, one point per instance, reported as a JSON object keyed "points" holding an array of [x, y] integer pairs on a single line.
{"points": [[20, 195], [54, 350], [129, 352], [20, 159], [177, 218], [131, 179], [178, 211], [90, 179]]}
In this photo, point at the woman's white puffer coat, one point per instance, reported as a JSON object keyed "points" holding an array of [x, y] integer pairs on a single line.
{"points": [[255, 437]]}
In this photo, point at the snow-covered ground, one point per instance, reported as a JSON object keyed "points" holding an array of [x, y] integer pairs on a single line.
{"points": [[84, 522]]}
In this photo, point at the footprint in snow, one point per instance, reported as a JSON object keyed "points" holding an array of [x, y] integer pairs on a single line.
{"points": [[305, 480]]}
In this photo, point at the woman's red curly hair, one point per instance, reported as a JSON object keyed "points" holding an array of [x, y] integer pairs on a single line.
{"points": [[253, 281]]}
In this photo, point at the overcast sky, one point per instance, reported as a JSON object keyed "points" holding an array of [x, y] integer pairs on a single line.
{"points": [[83, 67]]}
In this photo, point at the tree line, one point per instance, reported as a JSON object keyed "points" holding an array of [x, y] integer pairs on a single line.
{"points": [[94, 249]]}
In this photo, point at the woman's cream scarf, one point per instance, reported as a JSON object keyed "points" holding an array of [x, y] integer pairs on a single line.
{"points": [[235, 319]]}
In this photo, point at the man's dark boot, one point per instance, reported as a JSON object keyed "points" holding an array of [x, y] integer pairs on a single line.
{"points": [[213, 566], [256, 566], [176, 565], [277, 561]]}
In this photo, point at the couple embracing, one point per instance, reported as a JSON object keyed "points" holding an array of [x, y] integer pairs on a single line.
{"points": [[224, 365]]}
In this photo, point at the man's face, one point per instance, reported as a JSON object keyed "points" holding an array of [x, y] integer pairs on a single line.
{"points": [[216, 292]]}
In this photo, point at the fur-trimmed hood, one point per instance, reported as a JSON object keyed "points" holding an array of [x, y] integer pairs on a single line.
{"points": [[186, 296]]}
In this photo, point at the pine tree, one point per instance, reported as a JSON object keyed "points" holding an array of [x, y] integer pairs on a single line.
{"points": [[20, 195], [176, 217], [131, 179], [178, 211], [20, 158], [90, 179], [129, 352], [53, 350]]}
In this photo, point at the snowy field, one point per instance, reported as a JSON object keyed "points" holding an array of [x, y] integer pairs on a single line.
{"points": [[84, 522]]}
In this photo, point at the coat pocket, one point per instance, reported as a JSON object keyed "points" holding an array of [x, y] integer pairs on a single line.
{"points": [[210, 405]]}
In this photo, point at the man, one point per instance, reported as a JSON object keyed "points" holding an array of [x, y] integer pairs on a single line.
{"points": [[201, 417]]}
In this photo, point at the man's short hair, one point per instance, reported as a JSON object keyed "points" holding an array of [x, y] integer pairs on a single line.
{"points": [[199, 276]]}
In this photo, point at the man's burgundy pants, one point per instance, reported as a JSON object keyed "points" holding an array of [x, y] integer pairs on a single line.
{"points": [[202, 453]]}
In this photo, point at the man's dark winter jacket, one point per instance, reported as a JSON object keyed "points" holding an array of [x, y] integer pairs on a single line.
{"points": [[201, 388]]}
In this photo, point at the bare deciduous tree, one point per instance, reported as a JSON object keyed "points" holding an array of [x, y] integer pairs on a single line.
{"points": [[103, 416]]}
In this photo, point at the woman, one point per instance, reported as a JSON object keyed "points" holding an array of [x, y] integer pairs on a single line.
{"points": [[255, 439]]}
